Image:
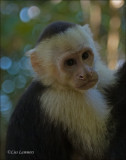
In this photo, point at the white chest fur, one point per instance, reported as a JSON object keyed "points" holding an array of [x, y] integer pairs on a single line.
{"points": [[84, 115]]}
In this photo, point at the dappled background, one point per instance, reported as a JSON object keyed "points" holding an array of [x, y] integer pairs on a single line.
{"points": [[23, 21]]}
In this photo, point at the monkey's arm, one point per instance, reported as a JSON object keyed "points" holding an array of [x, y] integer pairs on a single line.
{"points": [[31, 136]]}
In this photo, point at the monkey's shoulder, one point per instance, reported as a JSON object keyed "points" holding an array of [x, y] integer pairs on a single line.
{"points": [[116, 96], [28, 107], [31, 129], [116, 93]]}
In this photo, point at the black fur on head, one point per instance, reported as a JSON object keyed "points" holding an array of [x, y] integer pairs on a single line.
{"points": [[54, 28]]}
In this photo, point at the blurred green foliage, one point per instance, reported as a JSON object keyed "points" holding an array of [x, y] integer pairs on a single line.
{"points": [[19, 33]]}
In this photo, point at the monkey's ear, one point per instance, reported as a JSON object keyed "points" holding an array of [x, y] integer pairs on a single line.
{"points": [[35, 60], [29, 52], [87, 29]]}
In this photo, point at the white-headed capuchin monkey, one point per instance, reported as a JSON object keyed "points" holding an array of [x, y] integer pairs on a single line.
{"points": [[63, 115]]}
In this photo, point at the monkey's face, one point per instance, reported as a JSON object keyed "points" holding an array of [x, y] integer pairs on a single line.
{"points": [[67, 59], [76, 70]]}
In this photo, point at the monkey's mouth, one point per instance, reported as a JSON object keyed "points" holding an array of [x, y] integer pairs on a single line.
{"points": [[88, 84]]}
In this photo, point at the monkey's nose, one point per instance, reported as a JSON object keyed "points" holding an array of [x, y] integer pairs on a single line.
{"points": [[83, 77]]}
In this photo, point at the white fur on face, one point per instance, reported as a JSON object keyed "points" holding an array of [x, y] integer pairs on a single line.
{"points": [[50, 51], [72, 40]]}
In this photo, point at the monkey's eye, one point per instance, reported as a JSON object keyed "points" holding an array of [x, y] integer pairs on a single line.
{"points": [[70, 62], [85, 55]]}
